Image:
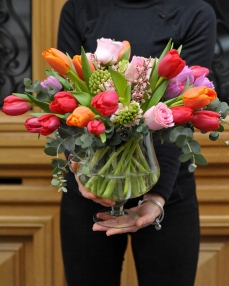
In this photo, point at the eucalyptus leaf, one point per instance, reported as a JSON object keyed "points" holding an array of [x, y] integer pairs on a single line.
{"points": [[200, 160], [175, 133], [192, 167], [214, 136], [51, 151], [58, 162], [55, 182], [69, 143], [185, 157], [27, 82], [181, 140]]}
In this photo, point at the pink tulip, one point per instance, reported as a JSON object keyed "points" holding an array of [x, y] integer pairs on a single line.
{"points": [[198, 71], [14, 105], [96, 127], [33, 125]]}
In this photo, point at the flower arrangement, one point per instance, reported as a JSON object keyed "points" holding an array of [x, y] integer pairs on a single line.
{"points": [[104, 98]]}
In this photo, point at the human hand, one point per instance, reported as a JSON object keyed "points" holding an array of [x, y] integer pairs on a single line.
{"points": [[87, 194], [147, 213]]}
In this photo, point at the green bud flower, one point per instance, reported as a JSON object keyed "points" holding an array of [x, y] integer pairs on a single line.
{"points": [[97, 79]]}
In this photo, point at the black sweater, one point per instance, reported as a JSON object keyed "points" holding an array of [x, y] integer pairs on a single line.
{"points": [[147, 25]]}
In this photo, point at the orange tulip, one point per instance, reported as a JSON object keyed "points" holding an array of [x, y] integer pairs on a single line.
{"points": [[80, 117], [57, 60], [198, 97], [126, 46], [78, 66]]}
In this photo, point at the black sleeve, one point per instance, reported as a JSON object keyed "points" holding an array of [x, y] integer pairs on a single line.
{"points": [[69, 39]]}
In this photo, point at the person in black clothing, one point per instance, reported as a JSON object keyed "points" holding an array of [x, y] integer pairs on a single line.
{"points": [[163, 258]]}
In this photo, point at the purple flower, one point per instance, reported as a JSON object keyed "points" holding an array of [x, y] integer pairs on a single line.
{"points": [[173, 89], [51, 82], [184, 74], [204, 81]]}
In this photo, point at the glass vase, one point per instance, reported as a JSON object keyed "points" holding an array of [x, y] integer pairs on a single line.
{"points": [[120, 172]]}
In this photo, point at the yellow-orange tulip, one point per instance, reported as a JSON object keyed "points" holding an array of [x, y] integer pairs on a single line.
{"points": [[198, 97], [57, 60], [126, 46], [78, 66], [80, 117]]}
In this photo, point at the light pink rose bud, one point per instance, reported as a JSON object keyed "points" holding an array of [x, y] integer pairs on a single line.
{"points": [[108, 50], [158, 117]]}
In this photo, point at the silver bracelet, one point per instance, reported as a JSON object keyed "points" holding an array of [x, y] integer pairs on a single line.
{"points": [[159, 219]]}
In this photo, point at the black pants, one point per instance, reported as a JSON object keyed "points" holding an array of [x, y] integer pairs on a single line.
{"points": [[163, 258]]}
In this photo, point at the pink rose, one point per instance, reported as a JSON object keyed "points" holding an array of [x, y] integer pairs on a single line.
{"points": [[158, 117], [108, 50], [137, 66]]}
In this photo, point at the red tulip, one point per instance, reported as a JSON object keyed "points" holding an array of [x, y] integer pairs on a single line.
{"points": [[171, 65], [14, 105], [182, 114], [57, 60], [206, 120], [198, 97], [33, 125], [96, 127], [106, 102], [49, 123], [63, 102]]}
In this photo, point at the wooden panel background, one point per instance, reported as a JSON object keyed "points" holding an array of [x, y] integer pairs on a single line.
{"points": [[29, 208]]}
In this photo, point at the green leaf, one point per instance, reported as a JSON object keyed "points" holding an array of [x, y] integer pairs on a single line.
{"points": [[50, 151], [85, 170], [21, 95], [58, 162], [192, 167], [181, 140], [55, 182], [127, 95], [43, 105], [85, 66], [79, 82], [159, 92], [83, 98], [37, 86], [175, 133], [120, 85], [102, 137], [125, 56], [185, 157], [200, 160], [214, 136], [27, 82], [69, 143]]}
